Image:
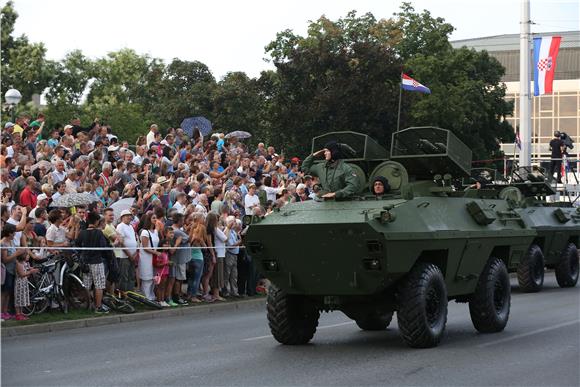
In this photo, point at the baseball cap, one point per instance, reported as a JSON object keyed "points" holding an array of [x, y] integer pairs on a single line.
{"points": [[68, 127], [112, 148], [41, 197], [8, 125]]}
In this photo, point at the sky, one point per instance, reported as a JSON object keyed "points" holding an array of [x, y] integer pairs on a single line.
{"points": [[230, 35]]}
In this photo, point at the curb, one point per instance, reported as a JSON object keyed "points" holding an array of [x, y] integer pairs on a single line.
{"points": [[254, 304]]}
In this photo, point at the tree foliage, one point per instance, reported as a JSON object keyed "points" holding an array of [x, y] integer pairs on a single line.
{"points": [[24, 65], [342, 75]]}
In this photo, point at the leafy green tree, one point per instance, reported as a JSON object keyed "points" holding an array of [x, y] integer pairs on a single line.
{"points": [[343, 75], [72, 76], [236, 103], [185, 90], [467, 92], [24, 65]]}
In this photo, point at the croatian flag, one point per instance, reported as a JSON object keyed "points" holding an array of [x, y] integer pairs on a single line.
{"points": [[410, 84], [545, 54]]}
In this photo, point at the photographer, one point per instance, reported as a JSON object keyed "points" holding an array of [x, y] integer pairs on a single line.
{"points": [[557, 148]]}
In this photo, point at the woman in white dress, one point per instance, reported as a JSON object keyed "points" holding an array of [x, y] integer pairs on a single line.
{"points": [[149, 242]]}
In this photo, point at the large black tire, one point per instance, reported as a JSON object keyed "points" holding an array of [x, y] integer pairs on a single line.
{"points": [[568, 267], [422, 313], [292, 321], [531, 270], [75, 294], [489, 306], [375, 322]]}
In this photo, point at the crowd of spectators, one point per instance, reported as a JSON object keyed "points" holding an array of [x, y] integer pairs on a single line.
{"points": [[183, 230]]}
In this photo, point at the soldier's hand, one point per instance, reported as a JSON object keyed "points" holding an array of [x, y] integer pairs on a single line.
{"points": [[318, 153]]}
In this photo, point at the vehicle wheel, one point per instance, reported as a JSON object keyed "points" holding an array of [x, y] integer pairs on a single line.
{"points": [[422, 313], [489, 306], [568, 267], [374, 322], [76, 295], [531, 270], [292, 321]]}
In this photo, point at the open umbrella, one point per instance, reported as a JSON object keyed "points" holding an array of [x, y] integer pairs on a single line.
{"points": [[239, 134], [42, 163], [75, 199], [121, 205], [203, 124]]}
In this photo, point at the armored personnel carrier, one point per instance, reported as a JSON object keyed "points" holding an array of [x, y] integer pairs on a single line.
{"points": [[557, 227], [409, 251]]}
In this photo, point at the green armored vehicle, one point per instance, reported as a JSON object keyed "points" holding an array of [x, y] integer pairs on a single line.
{"points": [[409, 251], [557, 227]]}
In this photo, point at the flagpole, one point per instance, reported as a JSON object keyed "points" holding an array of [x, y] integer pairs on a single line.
{"points": [[399, 113], [525, 97]]}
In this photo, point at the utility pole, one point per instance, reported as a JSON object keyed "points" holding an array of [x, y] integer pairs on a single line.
{"points": [[525, 96]]}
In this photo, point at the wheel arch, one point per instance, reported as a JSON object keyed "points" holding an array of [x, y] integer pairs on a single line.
{"points": [[438, 257]]}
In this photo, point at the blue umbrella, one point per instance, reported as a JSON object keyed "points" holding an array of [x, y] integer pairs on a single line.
{"points": [[203, 124]]}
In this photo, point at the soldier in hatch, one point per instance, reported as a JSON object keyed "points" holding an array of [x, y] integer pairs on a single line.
{"points": [[337, 178]]}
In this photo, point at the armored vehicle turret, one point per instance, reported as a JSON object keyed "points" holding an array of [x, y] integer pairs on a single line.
{"points": [[409, 250]]}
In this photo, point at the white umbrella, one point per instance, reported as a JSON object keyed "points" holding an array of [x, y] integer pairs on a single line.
{"points": [[121, 205]]}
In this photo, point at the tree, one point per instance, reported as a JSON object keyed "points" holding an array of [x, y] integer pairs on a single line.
{"points": [[72, 76], [24, 65], [467, 93], [342, 76], [236, 103]]}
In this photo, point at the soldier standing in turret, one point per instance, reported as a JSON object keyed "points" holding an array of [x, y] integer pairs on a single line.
{"points": [[337, 178]]}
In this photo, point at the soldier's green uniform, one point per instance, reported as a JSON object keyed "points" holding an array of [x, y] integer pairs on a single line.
{"points": [[335, 176]]}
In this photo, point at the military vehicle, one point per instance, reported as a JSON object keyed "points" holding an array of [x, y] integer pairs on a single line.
{"points": [[557, 227], [408, 251]]}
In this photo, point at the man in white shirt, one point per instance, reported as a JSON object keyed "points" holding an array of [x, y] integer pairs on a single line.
{"points": [[153, 129], [180, 203], [138, 159], [59, 174], [127, 256], [15, 216]]}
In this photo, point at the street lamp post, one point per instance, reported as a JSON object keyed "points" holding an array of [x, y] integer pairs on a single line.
{"points": [[12, 98]]}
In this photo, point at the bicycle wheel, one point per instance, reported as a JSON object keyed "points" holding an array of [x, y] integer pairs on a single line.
{"points": [[39, 302], [76, 296], [117, 304], [144, 300]]}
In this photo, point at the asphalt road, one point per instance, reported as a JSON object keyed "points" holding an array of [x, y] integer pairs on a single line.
{"points": [[540, 347]]}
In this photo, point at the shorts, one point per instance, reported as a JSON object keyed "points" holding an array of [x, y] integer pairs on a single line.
{"points": [[126, 274], [9, 283], [178, 271], [96, 276]]}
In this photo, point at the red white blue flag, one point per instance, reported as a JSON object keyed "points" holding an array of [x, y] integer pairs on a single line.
{"points": [[545, 54], [410, 84]]}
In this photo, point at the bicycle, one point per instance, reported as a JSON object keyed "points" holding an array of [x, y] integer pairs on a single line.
{"points": [[135, 296], [118, 304], [57, 283], [42, 290]]}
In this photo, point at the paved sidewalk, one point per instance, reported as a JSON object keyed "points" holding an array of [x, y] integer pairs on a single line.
{"points": [[256, 304]]}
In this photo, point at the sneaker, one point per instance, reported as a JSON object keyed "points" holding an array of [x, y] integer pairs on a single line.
{"points": [[208, 298], [21, 317], [164, 304], [171, 303], [102, 310], [181, 302], [7, 316]]}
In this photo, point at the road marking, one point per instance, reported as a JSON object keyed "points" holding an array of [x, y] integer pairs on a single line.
{"points": [[546, 329], [319, 328]]}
